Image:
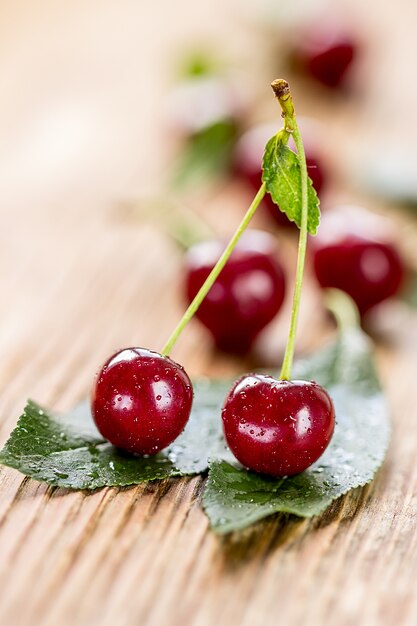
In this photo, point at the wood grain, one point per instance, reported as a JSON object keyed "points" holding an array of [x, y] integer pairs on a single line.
{"points": [[79, 280]]}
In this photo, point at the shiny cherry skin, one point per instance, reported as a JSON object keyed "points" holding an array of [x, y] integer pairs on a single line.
{"points": [[248, 165], [141, 400], [368, 268], [246, 296], [326, 53], [277, 427]]}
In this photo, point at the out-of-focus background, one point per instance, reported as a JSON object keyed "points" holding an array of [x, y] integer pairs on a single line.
{"points": [[84, 86], [98, 127], [87, 126]]}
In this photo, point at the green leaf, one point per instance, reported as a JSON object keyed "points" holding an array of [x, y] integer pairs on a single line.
{"points": [[68, 451], [208, 153], [235, 497], [282, 177]]}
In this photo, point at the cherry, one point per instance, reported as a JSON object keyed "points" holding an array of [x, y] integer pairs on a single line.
{"points": [[141, 400], [326, 53], [248, 164], [246, 296], [368, 268], [277, 427]]}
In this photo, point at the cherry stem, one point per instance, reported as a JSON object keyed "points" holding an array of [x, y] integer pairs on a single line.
{"points": [[282, 92], [212, 277]]}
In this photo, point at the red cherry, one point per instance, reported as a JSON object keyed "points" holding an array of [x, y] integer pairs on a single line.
{"points": [[141, 400], [368, 268], [248, 163], [277, 427], [248, 293], [326, 53]]}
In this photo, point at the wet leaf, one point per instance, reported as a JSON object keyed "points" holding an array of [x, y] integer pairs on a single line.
{"points": [[68, 451]]}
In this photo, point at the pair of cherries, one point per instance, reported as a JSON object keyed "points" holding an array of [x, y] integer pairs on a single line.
{"points": [[142, 400]]}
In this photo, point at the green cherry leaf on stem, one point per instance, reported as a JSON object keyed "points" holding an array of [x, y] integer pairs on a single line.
{"points": [[282, 177], [68, 451], [234, 498]]}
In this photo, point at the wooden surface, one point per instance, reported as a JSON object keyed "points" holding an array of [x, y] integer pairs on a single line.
{"points": [[79, 280]]}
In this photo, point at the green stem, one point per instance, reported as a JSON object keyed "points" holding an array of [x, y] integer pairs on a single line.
{"points": [[282, 92], [212, 277]]}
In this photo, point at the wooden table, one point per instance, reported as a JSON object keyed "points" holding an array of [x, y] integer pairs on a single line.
{"points": [[82, 103]]}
